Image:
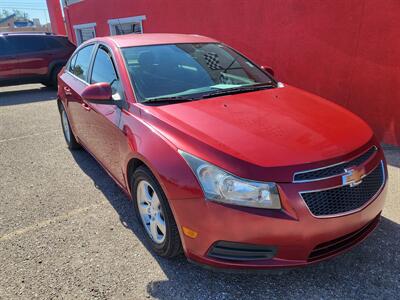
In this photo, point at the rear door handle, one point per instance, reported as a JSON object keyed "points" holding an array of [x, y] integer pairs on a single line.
{"points": [[67, 91], [85, 106]]}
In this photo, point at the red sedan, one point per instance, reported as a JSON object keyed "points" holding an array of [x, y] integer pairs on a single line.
{"points": [[222, 161]]}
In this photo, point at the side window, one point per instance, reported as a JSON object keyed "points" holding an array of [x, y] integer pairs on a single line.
{"points": [[5, 47], [104, 71], [81, 66], [27, 44], [72, 63]]}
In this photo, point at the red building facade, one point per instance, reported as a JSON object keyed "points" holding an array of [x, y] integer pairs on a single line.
{"points": [[344, 50]]}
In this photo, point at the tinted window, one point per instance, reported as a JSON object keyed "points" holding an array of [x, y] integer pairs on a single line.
{"points": [[103, 68], [52, 43], [81, 66], [64, 41], [5, 47], [28, 44], [104, 71]]}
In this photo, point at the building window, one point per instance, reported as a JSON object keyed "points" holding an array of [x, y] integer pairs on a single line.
{"points": [[69, 2], [85, 32], [126, 25]]}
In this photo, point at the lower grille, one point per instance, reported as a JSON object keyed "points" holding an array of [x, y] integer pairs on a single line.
{"points": [[238, 251], [345, 198], [329, 248]]}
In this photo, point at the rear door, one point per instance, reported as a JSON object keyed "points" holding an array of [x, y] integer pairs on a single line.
{"points": [[31, 52], [74, 81], [8, 61]]}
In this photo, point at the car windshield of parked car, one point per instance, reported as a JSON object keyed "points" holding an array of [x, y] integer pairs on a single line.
{"points": [[191, 71]]}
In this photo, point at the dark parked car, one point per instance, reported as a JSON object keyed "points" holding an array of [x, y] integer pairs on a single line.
{"points": [[32, 57]]}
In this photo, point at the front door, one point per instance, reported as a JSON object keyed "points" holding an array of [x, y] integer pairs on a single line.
{"points": [[104, 119]]}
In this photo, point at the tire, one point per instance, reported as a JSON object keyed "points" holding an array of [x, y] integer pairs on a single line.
{"points": [[53, 80], [68, 134], [169, 245]]}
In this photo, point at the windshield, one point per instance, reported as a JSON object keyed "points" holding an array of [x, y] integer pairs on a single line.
{"points": [[189, 71]]}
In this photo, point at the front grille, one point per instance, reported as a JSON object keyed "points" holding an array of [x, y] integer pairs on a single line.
{"points": [[334, 246], [345, 198], [240, 252], [333, 170]]}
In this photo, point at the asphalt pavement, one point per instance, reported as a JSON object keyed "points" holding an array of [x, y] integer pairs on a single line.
{"points": [[67, 231]]}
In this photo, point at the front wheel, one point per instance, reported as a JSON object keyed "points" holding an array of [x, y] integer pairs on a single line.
{"points": [[68, 134], [153, 212]]}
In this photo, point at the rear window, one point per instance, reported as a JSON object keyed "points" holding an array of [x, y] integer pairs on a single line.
{"points": [[64, 41], [53, 43]]}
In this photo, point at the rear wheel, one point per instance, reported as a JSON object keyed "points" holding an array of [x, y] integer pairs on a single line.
{"points": [[54, 74], [68, 134], [153, 212], [53, 79]]}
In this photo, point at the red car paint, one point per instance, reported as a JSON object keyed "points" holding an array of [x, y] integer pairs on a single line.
{"points": [[32, 57], [265, 135]]}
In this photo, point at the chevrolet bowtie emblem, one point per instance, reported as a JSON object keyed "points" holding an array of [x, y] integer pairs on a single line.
{"points": [[353, 176]]}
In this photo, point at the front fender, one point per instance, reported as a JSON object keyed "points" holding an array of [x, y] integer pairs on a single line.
{"points": [[147, 144]]}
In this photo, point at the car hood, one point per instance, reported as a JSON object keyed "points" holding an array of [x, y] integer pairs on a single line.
{"points": [[268, 128]]}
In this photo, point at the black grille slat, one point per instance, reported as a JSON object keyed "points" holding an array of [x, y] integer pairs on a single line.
{"points": [[334, 170], [344, 199], [241, 252]]}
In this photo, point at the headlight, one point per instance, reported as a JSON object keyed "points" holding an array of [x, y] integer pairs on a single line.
{"points": [[218, 185]]}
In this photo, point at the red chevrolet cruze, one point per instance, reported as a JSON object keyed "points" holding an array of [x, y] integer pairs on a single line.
{"points": [[221, 160]]}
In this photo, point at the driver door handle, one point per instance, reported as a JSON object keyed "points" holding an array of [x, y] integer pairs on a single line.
{"points": [[85, 106]]}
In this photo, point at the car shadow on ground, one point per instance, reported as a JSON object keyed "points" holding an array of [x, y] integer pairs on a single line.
{"points": [[27, 95], [371, 268]]}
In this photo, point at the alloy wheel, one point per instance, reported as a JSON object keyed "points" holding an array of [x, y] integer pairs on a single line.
{"points": [[151, 212]]}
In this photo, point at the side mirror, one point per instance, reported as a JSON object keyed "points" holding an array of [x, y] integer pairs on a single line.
{"points": [[100, 93], [268, 69]]}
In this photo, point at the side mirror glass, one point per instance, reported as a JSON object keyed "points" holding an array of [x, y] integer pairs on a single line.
{"points": [[100, 93], [268, 69]]}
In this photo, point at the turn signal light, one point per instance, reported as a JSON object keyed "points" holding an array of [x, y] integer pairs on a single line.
{"points": [[189, 232]]}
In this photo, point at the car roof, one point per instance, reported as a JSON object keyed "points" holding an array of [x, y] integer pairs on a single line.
{"points": [[146, 39], [30, 33]]}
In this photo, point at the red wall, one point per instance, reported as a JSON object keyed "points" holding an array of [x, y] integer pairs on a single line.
{"points": [[56, 19], [345, 50]]}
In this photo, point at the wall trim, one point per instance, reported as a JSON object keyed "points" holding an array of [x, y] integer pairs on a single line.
{"points": [[86, 25]]}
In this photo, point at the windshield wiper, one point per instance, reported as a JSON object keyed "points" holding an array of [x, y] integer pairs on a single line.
{"points": [[242, 89], [168, 100], [180, 99]]}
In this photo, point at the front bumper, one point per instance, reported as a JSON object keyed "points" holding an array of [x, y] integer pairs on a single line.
{"points": [[298, 237]]}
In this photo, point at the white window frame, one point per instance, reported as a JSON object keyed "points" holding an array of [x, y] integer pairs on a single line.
{"points": [[137, 19], [83, 26]]}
